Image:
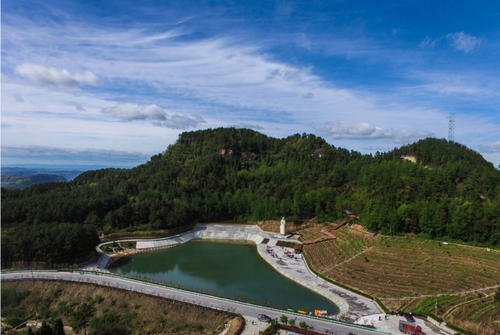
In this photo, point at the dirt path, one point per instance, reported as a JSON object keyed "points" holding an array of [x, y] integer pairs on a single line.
{"points": [[441, 294], [453, 308], [347, 260]]}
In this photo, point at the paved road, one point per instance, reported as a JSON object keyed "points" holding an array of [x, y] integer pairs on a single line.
{"points": [[245, 309]]}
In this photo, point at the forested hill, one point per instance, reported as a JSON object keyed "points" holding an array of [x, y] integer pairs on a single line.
{"points": [[240, 174], [20, 182]]}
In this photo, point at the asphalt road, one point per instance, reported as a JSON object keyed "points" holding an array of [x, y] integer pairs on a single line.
{"points": [[245, 309]]}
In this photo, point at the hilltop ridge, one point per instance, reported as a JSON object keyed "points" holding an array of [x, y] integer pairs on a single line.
{"points": [[240, 174]]}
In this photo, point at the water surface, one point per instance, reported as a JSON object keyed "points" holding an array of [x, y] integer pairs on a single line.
{"points": [[230, 270]]}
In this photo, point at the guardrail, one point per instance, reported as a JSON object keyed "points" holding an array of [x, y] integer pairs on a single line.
{"points": [[181, 290]]}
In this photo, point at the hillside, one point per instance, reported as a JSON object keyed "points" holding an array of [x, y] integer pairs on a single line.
{"points": [[90, 309], [68, 173], [21, 182], [240, 174]]}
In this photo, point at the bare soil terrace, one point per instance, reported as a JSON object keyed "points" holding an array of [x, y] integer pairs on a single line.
{"points": [[407, 271]]}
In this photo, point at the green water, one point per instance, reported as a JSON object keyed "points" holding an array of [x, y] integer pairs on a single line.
{"points": [[228, 270]]}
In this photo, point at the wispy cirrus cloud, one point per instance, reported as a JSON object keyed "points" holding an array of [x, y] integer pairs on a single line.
{"points": [[56, 77], [159, 75], [460, 41], [154, 113], [464, 42], [464, 84]]}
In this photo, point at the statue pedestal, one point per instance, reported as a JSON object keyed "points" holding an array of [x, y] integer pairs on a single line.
{"points": [[282, 226]]}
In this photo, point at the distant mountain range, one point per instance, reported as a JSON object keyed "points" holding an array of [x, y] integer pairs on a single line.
{"points": [[20, 178]]}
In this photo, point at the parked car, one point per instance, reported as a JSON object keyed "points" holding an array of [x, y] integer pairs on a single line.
{"points": [[264, 318], [409, 317]]}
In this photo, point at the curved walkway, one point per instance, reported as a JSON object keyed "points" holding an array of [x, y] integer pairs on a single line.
{"points": [[245, 309]]}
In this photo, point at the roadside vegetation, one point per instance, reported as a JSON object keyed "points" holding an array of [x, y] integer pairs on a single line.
{"points": [[98, 310], [116, 247], [414, 274]]}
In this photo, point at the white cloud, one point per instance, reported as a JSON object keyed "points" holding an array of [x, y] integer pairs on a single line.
{"points": [[154, 113], [428, 42], [225, 80], [490, 148], [304, 42], [471, 85], [56, 77], [76, 105], [464, 42], [19, 98], [367, 131]]}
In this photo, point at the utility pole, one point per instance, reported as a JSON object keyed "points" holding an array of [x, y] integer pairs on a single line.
{"points": [[451, 127]]}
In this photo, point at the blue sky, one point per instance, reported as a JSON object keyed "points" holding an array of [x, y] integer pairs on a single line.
{"points": [[113, 82]]}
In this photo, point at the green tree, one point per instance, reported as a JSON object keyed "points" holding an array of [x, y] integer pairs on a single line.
{"points": [[284, 319], [303, 324], [58, 327], [239, 174], [81, 316], [45, 329], [109, 323]]}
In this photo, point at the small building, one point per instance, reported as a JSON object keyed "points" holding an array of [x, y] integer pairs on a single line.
{"points": [[297, 248], [408, 327], [409, 158], [223, 152]]}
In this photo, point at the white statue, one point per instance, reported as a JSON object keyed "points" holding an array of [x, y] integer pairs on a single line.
{"points": [[282, 226]]}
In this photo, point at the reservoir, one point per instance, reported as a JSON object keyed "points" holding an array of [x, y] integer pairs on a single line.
{"points": [[234, 271]]}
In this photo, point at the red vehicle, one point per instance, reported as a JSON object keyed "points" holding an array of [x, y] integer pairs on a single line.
{"points": [[410, 328]]}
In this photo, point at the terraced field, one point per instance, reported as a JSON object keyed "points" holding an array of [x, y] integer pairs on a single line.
{"points": [[311, 233], [398, 267], [326, 256], [477, 312], [409, 272]]}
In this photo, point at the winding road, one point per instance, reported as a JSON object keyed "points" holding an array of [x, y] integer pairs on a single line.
{"points": [[246, 309]]}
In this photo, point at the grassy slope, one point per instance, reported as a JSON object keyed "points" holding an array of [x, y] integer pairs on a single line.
{"points": [[392, 268], [147, 315]]}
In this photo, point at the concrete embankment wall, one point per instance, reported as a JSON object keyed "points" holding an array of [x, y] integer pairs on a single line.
{"points": [[215, 232]]}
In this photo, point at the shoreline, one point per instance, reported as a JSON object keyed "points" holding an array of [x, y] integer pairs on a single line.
{"points": [[350, 305]]}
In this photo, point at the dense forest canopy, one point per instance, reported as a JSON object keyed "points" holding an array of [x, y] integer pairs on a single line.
{"points": [[240, 174]]}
